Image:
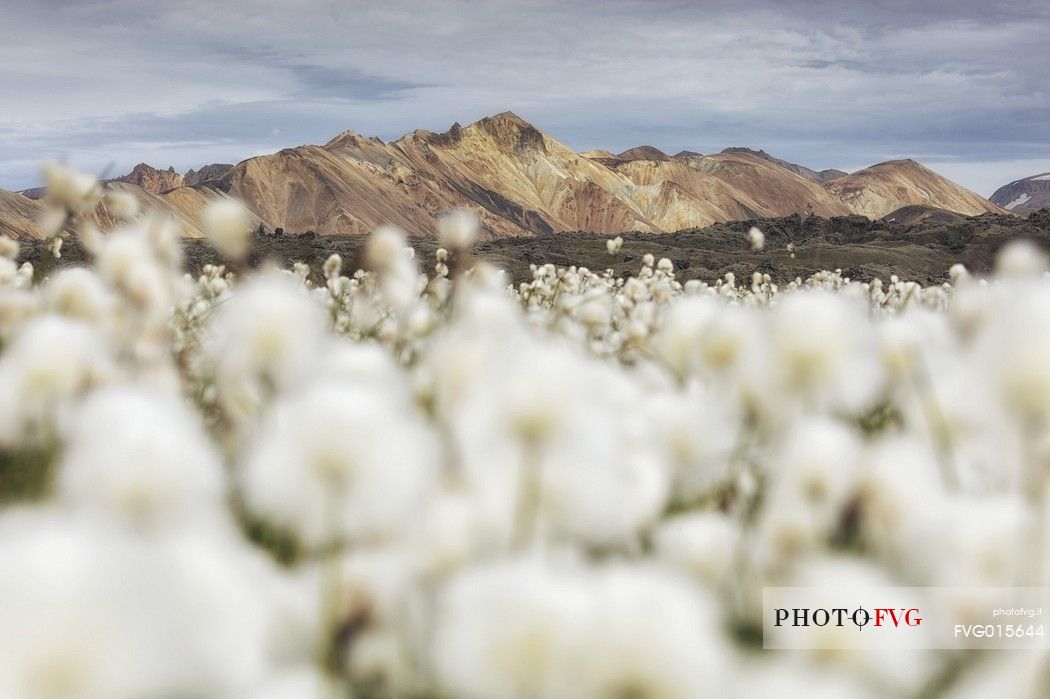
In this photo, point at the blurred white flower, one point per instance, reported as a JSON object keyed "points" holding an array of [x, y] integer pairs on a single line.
{"points": [[79, 293], [227, 225], [337, 463], [506, 631], [263, 341], [74, 191], [703, 545], [1019, 259], [756, 240], [649, 634], [122, 205], [458, 230], [158, 471], [8, 247], [90, 613], [44, 370]]}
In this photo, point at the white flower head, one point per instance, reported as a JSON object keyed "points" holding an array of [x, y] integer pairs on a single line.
{"points": [[68, 189], [121, 205], [458, 230], [49, 365], [756, 239], [227, 225], [8, 247], [338, 463], [157, 470], [1019, 259], [263, 340]]}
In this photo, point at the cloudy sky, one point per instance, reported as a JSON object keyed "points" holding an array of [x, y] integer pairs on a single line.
{"points": [[961, 86]]}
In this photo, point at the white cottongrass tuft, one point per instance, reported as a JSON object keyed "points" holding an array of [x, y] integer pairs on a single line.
{"points": [[227, 225], [340, 464], [756, 239], [458, 230]]}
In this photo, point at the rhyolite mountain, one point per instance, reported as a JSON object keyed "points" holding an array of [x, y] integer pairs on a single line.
{"points": [[521, 182], [880, 189], [1025, 195]]}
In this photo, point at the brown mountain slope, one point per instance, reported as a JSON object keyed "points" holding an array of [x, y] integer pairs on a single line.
{"points": [[775, 190], [350, 185], [818, 176], [674, 195], [886, 187], [18, 215], [538, 183]]}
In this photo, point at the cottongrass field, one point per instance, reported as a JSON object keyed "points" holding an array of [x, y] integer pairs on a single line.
{"points": [[414, 481]]}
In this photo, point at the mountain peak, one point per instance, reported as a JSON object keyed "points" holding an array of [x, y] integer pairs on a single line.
{"points": [[346, 138], [887, 186], [207, 173], [507, 118], [744, 149], [643, 153], [152, 179], [510, 131]]}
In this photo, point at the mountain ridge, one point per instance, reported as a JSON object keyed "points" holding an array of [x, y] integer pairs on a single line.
{"points": [[523, 182]]}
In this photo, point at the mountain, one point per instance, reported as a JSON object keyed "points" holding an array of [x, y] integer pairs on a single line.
{"points": [[18, 215], [207, 173], [1025, 195], [151, 179], [819, 177], [643, 153], [880, 189], [523, 182], [777, 190]]}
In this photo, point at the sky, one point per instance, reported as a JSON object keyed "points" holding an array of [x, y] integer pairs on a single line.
{"points": [[104, 84]]}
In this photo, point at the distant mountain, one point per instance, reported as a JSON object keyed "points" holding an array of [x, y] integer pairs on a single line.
{"points": [[18, 214], [820, 176], [643, 153], [207, 173], [151, 179], [1025, 195], [880, 189], [521, 182]]}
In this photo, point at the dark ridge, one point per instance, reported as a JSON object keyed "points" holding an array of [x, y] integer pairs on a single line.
{"points": [[861, 248]]}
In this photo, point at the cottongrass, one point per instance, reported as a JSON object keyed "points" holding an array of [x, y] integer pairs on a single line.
{"points": [[397, 484]]}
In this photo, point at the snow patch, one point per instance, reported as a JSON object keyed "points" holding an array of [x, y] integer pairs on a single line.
{"points": [[1020, 200], [1043, 177]]}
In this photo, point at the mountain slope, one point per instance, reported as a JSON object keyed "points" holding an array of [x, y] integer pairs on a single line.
{"points": [[538, 183], [18, 215], [818, 176], [886, 187], [207, 173], [1025, 195], [775, 190]]}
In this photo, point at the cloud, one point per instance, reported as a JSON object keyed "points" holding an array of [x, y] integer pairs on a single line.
{"points": [[827, 83]]}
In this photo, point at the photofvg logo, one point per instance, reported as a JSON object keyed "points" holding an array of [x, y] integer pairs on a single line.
{"points": [[846, 617]]}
